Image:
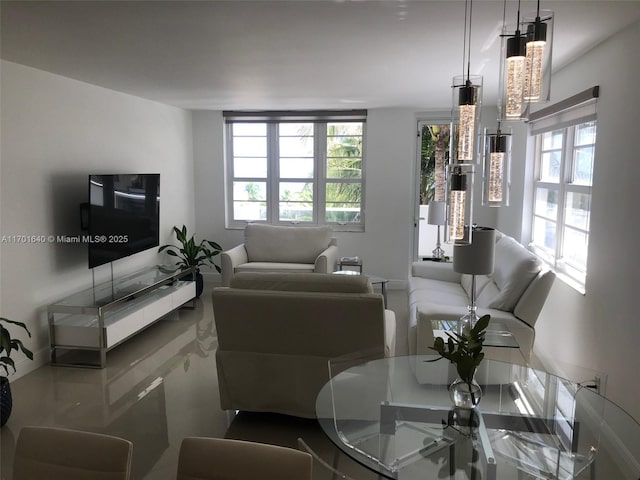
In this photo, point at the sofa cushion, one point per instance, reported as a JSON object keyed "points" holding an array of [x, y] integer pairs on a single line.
{"points": [[273, 243], [302, 282], [435, 291], [514, 269]]}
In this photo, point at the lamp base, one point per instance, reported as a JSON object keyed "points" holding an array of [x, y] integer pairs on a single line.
{"points": [[468, 321], [438, 253]]}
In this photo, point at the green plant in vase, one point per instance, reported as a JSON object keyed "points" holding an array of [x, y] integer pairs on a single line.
{"points": [[193, 254], [7, 345], [464, 350]]}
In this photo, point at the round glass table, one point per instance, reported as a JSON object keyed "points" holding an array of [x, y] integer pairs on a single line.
{"points": [[395, 417]]}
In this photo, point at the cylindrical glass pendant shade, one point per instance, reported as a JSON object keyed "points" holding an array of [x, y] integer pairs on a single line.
{"points": [[459, 203], [467, 103], [539, 43], [497, 167], [513, 75]]}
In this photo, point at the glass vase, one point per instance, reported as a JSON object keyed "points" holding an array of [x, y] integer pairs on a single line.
{"points": [[465, 395]]}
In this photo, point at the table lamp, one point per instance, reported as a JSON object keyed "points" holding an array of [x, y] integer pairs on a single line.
{"points": [[437, 216], [476, 258]]}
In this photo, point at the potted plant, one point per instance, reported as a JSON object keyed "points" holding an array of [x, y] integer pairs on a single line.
{"points": [[464, 349], [192, 254], [7, 345]]}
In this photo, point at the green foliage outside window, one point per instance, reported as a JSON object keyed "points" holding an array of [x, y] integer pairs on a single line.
{"points": [[434, 154]]}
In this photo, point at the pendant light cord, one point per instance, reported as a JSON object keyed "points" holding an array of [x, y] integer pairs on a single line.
{"points": [[464, 38], [469, 49], [466, 43]]}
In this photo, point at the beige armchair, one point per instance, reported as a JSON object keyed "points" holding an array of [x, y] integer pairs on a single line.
{"points": [[277, 333], [272, 248]]}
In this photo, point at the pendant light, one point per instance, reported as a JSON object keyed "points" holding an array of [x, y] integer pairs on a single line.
{"points": [[497, 166], [460, 203], [538, 56], [515, 71], [467, 101], [497, 146]]}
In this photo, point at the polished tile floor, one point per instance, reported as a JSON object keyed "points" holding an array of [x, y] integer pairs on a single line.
{"points": [[159, 387]]}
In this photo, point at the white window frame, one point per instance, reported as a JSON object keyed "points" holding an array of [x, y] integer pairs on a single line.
{"points": [[565, 117], [273, 120]]}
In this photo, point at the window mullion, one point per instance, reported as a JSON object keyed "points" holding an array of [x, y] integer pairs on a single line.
{"points": [[273, 175], [320, 177], [565, 166], [231, 176]]}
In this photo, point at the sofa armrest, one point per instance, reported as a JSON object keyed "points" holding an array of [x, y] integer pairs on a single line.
{"points": [[389, 333], [532, 300], [435, 271], [327, 260], [229, 260]]}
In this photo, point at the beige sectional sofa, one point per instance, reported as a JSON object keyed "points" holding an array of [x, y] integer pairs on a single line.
{"points": [[275, 248], [278, 331], [513, 294]]}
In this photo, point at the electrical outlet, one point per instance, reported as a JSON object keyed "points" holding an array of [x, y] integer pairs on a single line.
{"points": [[598, 382]]}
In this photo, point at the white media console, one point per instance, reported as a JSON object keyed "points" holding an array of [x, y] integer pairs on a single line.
{"points": [[86, 325]]}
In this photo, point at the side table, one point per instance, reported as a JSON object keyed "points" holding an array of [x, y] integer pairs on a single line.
{"points": [[374, 279], [350, 262]]}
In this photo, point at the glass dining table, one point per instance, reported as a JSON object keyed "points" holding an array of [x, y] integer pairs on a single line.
{"points": [[395, 417]]}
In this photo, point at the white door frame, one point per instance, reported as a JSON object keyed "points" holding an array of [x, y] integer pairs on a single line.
{"points": [[435, 117]]}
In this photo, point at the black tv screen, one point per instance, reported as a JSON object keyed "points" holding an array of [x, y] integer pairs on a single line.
{"points": [[124, 215]]}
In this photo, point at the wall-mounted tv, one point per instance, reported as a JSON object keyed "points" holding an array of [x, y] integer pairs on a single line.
{"points": [[123, 215]]}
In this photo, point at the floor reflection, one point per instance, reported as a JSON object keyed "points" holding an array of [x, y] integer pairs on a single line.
{"points": [[158, 388]]}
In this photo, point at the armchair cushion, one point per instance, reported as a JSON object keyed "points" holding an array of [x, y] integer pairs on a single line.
{"points": [[271, 243]]}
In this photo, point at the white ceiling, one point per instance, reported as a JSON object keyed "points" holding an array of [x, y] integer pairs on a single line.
{"points": [[287, 54]]}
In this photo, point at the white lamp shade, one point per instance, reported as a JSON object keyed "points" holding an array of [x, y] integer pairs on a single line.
{"points": [[437, 213], [476, 258]]}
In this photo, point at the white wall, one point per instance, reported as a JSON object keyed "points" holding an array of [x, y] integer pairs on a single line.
{"points": [[600, 330], [55, 131], [385, 246]]}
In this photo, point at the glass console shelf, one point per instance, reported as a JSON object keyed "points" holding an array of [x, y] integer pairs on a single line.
{"points": [[84, 326]]}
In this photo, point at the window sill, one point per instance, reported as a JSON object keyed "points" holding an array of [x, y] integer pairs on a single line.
{"points": [[562, 275], [572, 282]]}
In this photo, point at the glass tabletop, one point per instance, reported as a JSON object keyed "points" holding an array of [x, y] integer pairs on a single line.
{"points": [[395, 416]]}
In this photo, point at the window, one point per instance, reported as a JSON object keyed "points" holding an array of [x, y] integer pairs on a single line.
{"points": [[565, 156], [302, 168]]}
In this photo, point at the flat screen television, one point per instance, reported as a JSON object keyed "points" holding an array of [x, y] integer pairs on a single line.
{"points": [[123, 215]]}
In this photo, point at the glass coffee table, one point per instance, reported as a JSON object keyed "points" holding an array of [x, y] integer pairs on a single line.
{"points": [[497, 334], [395, 417]]}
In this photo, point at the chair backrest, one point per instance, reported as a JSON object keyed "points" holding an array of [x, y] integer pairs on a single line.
{"points": [[60, 454], [218, 459]]}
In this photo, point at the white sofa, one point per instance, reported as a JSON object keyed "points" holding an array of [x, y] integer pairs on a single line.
{"points": [[513, 295], [274, 248], [277, 333]]}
